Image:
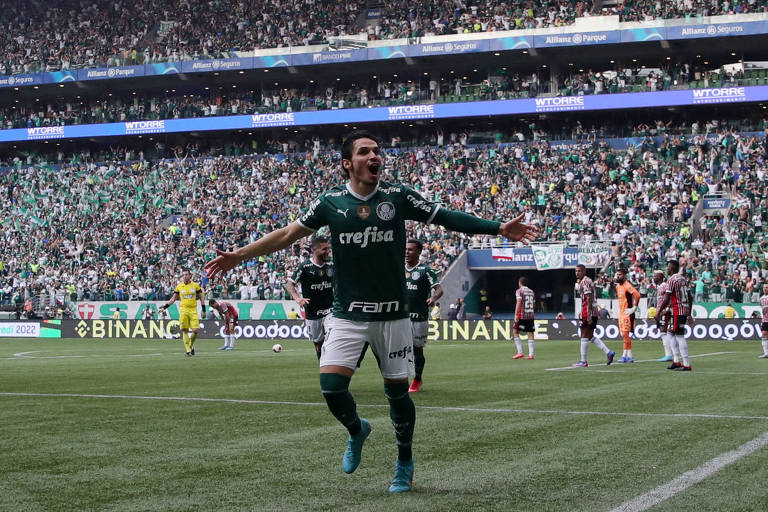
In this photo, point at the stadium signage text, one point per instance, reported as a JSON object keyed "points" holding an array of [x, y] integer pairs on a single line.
{"points": [[110, 73], [559, 103], [17, 80], [449, 48], [127, 329], [20, 330], [720, 95], [411, 111], [217, 64], [330, 57], [279, 119], [577, 39], [138, 127], [45, 132]]}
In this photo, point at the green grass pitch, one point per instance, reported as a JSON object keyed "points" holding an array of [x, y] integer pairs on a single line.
{"points": [[492, 433]]}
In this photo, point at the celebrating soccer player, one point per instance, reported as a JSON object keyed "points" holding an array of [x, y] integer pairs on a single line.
{"points": [[366, 218], [315, 276], [228, 315], [524, 313], [189, 292], [421, 292], [663, 324], [629, 298], [588, 318]]}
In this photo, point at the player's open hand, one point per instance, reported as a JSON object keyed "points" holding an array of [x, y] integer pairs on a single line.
{"points": [[518, 231], [302, 301], [223, 262]]}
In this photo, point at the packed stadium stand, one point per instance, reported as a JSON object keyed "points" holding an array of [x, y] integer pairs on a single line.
{"points": [[113, 215]]}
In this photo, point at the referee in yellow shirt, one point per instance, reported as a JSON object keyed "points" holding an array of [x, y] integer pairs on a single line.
{"points": [[189, 292]]}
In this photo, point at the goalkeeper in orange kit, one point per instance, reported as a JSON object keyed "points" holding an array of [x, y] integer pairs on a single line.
{"points": [[629, 298]]}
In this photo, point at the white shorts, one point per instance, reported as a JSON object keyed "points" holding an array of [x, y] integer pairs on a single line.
{"points": [[316, 329], [419, 330], [390, 341]]}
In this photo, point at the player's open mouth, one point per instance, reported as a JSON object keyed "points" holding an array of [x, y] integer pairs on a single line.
{"points": [[374, 169]]}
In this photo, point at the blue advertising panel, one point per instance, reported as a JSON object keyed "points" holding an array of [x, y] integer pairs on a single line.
{"points": [[643, 34], [305, 59], [162, 68], [21, 80], [452, 48], [523, 258], [577, 39], [512, 43], [58, 77], [405, 112], [716, 30], [271, 61], [201, 66], [109, 73], [388, 52]]}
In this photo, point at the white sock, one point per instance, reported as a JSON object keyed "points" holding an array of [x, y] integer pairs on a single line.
{"points": [[674, 348], [665, 342], [519, 345], [765, 347], [599, 344], [232, 341], [530, 346], [629, 354], [584, 347], [624, 354], [683, 346]]}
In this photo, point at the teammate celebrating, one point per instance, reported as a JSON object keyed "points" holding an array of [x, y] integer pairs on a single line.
{"points": [[678, 298], [228, 315], [663, 324], [524, 313], [588, 318], [421, 292], [189, 292], [629, 298], [764, 325], [367, 224], [315, 276]]}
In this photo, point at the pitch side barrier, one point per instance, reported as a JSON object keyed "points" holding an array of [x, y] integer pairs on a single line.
{"points": [[736, 329]]}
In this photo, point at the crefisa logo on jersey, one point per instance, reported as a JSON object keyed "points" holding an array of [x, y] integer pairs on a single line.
{"points": [[385, 211]]}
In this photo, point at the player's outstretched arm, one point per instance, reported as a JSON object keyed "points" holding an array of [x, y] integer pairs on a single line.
{"points": [[518, 231], [274, 241], [291, 288]]}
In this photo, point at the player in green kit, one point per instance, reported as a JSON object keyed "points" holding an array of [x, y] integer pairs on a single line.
{"points": [[366, 218], [315, 276], [422, 291]]}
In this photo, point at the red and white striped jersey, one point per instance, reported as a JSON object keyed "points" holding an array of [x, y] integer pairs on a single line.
{"points": [[228, 308], [527, 298], [586, 290], [764, 306], [661, 291], [677, 286]]}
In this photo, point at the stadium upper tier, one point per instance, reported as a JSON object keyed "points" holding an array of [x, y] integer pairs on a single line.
{"points": [[98, 230], [41, 36], [404, 89]]}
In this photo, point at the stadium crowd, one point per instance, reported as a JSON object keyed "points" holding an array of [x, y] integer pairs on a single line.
{"points": [[101, 33], [117, 230], [329, 96]]}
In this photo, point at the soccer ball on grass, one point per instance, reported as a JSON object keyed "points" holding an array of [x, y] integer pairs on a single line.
{"points": [[277, 347]]}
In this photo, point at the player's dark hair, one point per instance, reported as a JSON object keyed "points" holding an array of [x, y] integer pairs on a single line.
{"points": [[349, 142], [675, 265], [523, 281], [319, 240], [582, 266], [417, 242], [623, 270], [212, 302]]}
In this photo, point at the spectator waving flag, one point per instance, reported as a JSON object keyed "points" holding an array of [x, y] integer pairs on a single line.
{"points": [[548, 257]]}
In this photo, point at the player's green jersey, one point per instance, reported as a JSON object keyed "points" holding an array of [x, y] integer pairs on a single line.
{"points": [[316, 285], [419, 282], [368, 242]]}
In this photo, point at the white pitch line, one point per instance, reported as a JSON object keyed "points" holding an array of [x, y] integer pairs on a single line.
{"points": [[499, 410], [25, 355], [692, 477], [640, 361]]}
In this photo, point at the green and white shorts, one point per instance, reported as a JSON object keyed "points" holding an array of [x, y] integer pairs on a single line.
{"points": [[390, 340], [419, 330]]}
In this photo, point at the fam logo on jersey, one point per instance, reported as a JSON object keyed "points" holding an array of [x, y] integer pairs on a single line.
{"points": [[363, 211], [385, 210]]}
